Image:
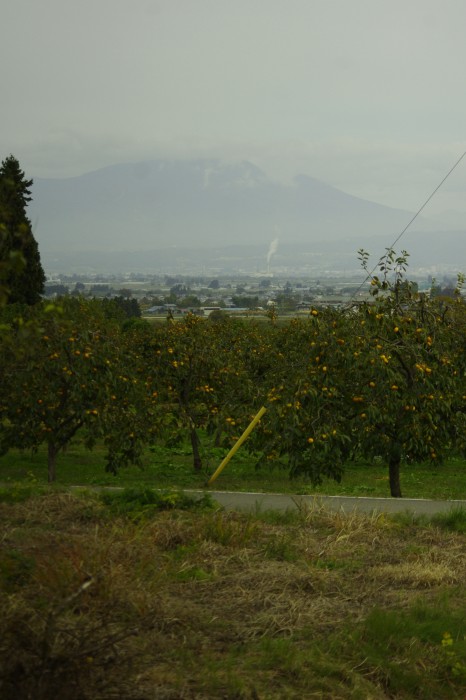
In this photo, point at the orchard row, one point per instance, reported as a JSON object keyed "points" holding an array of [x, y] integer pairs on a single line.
{"points": [[383, 379]]}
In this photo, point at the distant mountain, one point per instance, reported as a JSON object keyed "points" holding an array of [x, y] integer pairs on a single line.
{"points": [[197, 202], [169, 213]]}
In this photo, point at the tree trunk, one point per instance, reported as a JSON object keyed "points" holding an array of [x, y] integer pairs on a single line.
{"points": [[197, 461], [218, 437], [394, 475], [52, 460]]}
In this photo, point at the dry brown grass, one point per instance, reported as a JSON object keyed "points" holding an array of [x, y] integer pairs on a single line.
{"points": [[178, 606]]}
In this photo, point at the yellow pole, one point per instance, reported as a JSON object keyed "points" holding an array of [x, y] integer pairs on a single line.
{"points": [[237, 444]]}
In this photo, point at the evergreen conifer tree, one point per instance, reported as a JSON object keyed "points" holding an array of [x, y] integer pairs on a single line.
{"points": [[23, 275]]}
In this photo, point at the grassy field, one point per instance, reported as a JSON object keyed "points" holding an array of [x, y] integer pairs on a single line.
{"points": [[172, 468], [112, 596]]}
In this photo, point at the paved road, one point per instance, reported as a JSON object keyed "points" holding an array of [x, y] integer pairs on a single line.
{"points": [[234, 500], [238, 500]]}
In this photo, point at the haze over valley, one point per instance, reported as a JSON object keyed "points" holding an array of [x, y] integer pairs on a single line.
{"points": [[221, 217]]}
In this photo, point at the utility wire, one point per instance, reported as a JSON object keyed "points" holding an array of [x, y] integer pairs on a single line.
{"points": [[369, 275]]}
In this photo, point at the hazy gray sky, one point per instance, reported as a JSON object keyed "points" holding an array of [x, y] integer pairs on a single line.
{"points": [[367, 95]]}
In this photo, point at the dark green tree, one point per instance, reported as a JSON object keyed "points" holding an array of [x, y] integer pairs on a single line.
{"points": [[25, 283], [245, 302], [121, 308]]}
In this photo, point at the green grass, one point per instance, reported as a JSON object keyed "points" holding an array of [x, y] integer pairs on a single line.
{"points": [[171, 468], [143, 503], [393, 643], [455, 520]]}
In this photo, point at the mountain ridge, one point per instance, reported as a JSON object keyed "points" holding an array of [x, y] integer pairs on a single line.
{"points": [[168, 213], [200, 201]]}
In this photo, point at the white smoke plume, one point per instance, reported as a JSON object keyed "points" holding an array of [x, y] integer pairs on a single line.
{"points": [[272, 250]]}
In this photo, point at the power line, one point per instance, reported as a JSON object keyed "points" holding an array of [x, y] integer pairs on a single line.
{"points": [[369, 275], [428, 199]]}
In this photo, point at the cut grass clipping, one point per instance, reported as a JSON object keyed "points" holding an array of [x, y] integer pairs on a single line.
{"points": [[139, 596]]}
